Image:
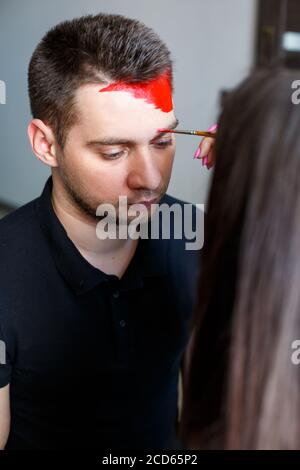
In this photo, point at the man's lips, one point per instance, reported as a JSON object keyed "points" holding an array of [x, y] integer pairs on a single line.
{"points": [[147, 202]]}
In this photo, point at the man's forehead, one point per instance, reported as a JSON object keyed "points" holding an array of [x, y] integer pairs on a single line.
{"points": [[157, 91], [118, 113], [117, 137]]}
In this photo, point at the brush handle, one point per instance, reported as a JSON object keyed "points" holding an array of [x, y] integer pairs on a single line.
{"points": [[206, 134], [186, 132]]}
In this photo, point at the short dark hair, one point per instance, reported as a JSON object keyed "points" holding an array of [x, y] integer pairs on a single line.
{"points": [[101, 48]]}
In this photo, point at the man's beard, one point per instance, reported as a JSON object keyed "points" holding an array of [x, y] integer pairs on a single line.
{"points": [[81, 201], [76, 197]]}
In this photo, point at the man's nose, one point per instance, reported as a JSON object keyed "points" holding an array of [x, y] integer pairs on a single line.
{"points": [[144, 172]]}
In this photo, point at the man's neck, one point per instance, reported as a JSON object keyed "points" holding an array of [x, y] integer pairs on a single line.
{"points": [[110, 255]]}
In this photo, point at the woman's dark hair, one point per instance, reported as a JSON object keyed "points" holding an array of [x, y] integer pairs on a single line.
{"points": [[243, 390], [92, 49]]}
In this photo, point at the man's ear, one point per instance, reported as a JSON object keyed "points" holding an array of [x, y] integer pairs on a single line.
{"points": [[43, 142]]}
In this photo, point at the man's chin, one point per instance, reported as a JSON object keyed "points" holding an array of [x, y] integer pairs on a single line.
{"points": [[135, 217], [128, 213]]}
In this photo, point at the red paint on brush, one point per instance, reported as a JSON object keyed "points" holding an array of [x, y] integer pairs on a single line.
{"points": [[157, 91]]}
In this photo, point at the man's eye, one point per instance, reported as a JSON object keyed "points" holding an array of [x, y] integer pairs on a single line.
{"points": [[164, 143], [112, 156]]}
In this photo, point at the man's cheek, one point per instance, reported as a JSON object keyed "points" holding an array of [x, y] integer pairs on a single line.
{"points": [[170, 159]]}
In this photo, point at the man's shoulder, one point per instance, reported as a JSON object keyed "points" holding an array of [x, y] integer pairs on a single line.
{"points": [[187, 223], [189, 210], [170, 200], [20, 217], [18, 231], [184, 248], [186, 231]]}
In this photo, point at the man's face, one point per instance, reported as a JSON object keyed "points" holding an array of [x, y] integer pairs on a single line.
{"points": [[116, 149]]}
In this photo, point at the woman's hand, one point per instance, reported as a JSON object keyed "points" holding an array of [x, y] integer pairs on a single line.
{"points": [[206, 149]]}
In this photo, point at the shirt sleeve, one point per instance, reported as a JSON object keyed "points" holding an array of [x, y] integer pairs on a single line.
{"points": [[5, 364]]}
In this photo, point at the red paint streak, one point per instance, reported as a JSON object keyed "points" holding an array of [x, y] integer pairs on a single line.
{"points": [[157, 91]]}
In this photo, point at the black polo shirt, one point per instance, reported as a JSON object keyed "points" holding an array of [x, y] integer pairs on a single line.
{"points": [[92, 360]]}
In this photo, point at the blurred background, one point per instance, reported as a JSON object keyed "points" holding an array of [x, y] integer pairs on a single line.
{"points": [[214, 43]]}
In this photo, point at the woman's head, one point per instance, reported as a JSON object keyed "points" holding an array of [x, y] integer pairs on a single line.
{"points": [[252, 247]]}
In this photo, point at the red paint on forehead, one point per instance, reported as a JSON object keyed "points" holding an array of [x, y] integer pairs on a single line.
{"points": [[157, 91]]}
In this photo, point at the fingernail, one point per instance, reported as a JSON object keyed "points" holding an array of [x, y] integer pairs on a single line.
{"points": [[213, 128], [204, 149], [197, 153]]}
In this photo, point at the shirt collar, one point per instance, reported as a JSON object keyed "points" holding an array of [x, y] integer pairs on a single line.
{"points": [[149, 258]]}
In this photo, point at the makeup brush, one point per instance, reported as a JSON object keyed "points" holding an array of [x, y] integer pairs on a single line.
{"points": [[188, 132]]}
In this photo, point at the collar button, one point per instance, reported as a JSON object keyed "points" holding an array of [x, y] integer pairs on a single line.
{"points": [[116, 294]]}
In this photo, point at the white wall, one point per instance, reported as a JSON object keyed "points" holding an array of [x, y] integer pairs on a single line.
{"points": [[212, 43]]}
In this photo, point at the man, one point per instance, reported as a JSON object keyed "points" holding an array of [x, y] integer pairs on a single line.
{"points": [[95, 328]]}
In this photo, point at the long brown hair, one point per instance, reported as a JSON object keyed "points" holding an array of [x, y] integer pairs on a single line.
{"points": [[243, 391]]}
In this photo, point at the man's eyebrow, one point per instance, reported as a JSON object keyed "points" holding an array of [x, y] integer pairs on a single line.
{"points": [[117, 141], [173, 125]]}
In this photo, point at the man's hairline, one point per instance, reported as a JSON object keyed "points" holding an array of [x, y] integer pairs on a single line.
{"points": [[102, 81]]}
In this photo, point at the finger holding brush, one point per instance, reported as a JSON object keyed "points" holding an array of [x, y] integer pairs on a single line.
{"points": [[206, 147]]}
